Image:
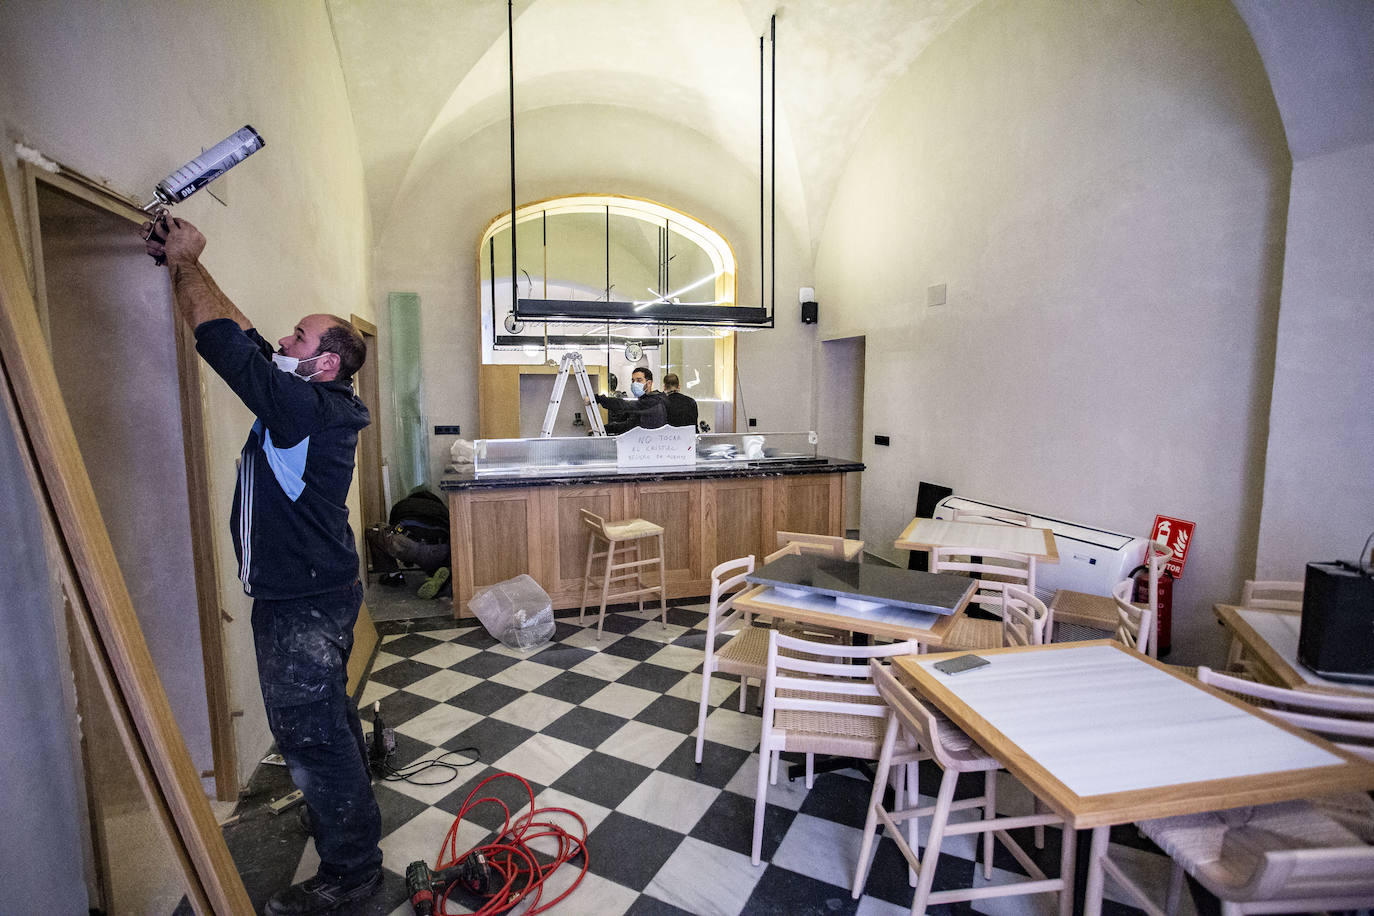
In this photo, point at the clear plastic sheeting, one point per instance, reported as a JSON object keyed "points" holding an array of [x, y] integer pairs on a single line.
{"points": [[517, 612]]}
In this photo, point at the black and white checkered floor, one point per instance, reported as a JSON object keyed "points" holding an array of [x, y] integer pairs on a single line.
{"points": [[607, 729]]}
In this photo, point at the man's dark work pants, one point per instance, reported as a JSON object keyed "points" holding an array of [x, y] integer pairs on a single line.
{"points": [[302, 646]]}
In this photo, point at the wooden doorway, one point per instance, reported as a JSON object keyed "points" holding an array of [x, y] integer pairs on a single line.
{"points": [[130, 376], [371, 494]]}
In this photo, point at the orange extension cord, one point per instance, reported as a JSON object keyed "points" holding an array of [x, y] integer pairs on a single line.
{"points": [[510, 855]]}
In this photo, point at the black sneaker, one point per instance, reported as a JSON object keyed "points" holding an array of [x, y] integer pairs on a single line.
{"points": [[321, 895], [393, 580]]}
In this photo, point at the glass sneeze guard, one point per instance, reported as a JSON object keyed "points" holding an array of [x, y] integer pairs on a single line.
{"points": [[564, 454]]}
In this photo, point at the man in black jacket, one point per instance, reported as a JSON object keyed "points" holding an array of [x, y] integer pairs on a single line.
{"points": [[649, 407], [682, 410], [296, 557]]}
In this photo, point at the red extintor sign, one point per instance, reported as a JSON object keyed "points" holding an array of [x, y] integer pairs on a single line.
{"points": [[1177, 535]]}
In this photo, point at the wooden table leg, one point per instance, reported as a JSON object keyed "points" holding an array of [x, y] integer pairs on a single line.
{"points": [[1092, 895], [1068, 850]]}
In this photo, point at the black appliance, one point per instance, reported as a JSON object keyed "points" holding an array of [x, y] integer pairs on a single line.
{"points": [[1336, 637]]}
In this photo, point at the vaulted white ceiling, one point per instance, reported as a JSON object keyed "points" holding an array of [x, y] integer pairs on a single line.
{"points": [[424, 75]]}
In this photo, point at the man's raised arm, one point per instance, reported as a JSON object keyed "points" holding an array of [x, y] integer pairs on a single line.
{"points": [[198, 298]]}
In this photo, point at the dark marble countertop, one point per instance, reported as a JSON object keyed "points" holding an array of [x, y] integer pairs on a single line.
{"points": [[464, 478]]}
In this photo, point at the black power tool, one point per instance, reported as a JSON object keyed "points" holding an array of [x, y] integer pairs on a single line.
{"points": [[474, 874]]}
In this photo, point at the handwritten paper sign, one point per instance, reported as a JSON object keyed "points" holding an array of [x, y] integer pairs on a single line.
{"points": [[667, 446]]}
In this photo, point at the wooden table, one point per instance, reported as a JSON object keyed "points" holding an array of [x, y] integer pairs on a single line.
{"points": [[821, 610], [1270, 638], [925, 533], [1103, 736]]}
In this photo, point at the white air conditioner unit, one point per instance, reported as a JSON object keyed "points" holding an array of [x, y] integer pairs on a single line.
{"points": [[1091, 560]]}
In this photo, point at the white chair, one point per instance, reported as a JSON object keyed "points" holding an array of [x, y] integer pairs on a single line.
{"points": [[1088, 615], [1271, 596], [746, 652], [993, 571], [1280, 858], [1135, 623], [910, 724], [814, 701]]}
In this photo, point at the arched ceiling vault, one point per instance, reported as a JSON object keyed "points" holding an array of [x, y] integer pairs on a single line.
{"points": [[424, 75]]}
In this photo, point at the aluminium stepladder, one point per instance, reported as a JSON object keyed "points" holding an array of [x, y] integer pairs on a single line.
{"points": [[573, 362]]}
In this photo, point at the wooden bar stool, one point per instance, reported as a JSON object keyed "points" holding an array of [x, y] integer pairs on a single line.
{"points": [[604, 540]]}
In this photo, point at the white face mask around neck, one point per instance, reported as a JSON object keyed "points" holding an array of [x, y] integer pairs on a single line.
{"points": [[291, 364]]}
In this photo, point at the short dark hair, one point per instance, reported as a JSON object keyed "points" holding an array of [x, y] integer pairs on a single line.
{"points": [[671, 380], [346, 341], [648, 373]]}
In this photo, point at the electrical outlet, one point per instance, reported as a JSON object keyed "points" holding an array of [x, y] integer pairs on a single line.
{"points": [[448, 430], [753, 421], [881, 440]]}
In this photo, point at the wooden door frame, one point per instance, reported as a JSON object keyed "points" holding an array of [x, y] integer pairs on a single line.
{"points": [[371, 496], [223, 747]]}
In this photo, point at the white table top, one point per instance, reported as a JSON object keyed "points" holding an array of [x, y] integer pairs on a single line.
{"points": [[924, 533], [1280, 630], [1106, 736]]}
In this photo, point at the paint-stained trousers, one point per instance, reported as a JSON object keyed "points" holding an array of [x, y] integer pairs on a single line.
{"points": [[302, 647]]}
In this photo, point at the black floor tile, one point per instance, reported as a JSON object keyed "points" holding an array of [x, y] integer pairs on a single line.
{"points": [[651, 677], [602, 779], [584, 727], [570, 687], [493, 739], [484, 664], [840, 798], [719, 762], [729, 823], [633, 648], [404, 673], [486, 697], [398, 707], [629, 851], [668, 712], [785, 893], [409, 645], [562, 656]]}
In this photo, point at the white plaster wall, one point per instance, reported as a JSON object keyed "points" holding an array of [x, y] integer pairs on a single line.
{"points": [[1319, 485], [128, 91], [1103, 188], [430, 244]]}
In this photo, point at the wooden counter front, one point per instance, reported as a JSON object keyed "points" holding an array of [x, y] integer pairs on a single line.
{"points": [[499, 533]]}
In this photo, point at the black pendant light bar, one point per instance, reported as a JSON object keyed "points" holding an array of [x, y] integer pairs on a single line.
{"points": [[510, 50]]}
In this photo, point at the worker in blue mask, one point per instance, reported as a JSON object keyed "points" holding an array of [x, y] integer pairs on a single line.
{"points": [[649, 408], [296, 556]]}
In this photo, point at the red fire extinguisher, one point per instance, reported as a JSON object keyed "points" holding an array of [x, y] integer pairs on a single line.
{"points": [[1163, 605]]}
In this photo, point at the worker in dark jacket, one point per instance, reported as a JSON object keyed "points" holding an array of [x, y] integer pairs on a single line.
{"points": [[416, 533], [649, 407], [296, 557], [682, 410]]}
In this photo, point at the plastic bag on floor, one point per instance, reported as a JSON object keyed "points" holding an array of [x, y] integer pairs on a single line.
{"points": [[517, 611]]}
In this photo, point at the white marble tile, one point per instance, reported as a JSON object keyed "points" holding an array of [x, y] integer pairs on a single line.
{"points": [[542, 759], [683, 880], [445, 655], [594, 896], [732, 727], [384, 660], [669, 801], [655, 631], [503, 649], [821, 849], [586, 639], [449, 633], [532, 711], [592, 815], [438, 724], [689, 688], [1021, 905], [526, 675], [621, 700], [786, 794], [443, 685], [872, 906], [432, 787], [681, 658], [606, 667], [310, 859], [421, 836], [373, 692], [639, 742]]}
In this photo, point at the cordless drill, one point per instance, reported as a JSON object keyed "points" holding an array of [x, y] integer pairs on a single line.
{"points": [[474, 874]]}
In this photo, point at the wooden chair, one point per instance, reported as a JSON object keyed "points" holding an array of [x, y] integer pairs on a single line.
{"points": [[746, 652], [822, 544], [606, 539], [814, 701], [1271, 596], [911, 725], [994, 571], [1289, 857], [1094, 616]]}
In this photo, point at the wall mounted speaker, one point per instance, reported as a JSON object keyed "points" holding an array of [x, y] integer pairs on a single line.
{"points": [[809, 312]]}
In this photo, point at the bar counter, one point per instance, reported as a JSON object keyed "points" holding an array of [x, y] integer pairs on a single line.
{"points": [[503, 525]]}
